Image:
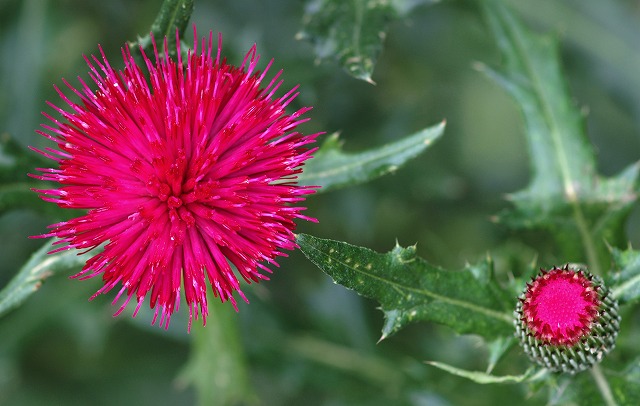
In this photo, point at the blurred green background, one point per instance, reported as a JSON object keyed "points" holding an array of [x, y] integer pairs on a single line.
{"points": [[308, 341]]}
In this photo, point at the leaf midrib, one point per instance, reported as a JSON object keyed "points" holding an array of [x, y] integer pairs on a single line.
{"points": [[368, 157], [561, 155]]}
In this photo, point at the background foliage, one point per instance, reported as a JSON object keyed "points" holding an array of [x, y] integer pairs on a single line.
{"points": [[306, 340]]}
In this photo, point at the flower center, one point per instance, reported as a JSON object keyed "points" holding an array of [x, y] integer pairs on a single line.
{"points": [[174, 202], [560, 306], [172, 196]]}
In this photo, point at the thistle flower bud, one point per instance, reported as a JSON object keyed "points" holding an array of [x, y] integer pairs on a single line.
{"points": [[566, 320]]}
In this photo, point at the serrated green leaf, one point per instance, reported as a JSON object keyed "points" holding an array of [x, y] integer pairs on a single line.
{"points": [[352, 31], [332, 168], [410, 289], [624, 282], [173, 16], [485, 378], [566, 195], [39, 267]]}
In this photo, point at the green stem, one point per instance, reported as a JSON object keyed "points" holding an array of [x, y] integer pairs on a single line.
{"points": [[590, 249], [216, 367], [603, 386]]}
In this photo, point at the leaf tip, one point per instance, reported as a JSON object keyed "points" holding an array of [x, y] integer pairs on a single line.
{"points": [[439, 129], [361, 74]]}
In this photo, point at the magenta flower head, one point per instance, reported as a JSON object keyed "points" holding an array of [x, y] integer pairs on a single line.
{"points": [[567, 320], [188, 175]]}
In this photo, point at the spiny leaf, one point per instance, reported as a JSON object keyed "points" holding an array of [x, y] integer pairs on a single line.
{"points": [[566, 195], [331, 168], [624, 282], [173, 15], [352, 31], [410, 289], [485, 378], [31, 276]]}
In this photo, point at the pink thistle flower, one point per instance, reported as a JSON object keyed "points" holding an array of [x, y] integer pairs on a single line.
{"points": [[188, 175], [559, 306]]}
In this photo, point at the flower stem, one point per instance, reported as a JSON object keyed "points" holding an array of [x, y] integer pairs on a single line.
{"points": [[603, 386], [216, 368], [591, 251]]}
